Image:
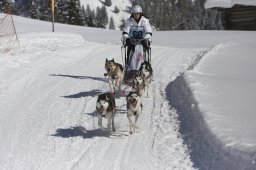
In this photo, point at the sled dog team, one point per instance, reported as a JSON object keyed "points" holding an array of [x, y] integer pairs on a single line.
{"points": [[106, 106]]}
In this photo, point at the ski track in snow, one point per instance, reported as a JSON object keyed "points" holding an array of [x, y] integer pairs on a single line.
{"points": [[58, 80]]}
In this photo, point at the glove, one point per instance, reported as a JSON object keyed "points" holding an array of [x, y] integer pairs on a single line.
{"points": [[148, 36], [125, 36]]}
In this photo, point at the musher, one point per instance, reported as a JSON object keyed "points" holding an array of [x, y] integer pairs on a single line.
{"points": [[137, 27]]}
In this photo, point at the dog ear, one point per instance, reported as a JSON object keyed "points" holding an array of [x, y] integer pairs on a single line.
{"points": [[106, 60], [106, 96], [133, 80]]}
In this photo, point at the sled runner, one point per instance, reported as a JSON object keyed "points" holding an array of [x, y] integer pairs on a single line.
{"points": [[136, 57]]}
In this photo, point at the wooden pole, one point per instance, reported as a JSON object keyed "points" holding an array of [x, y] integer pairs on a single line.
{"points": [[52, 15], [15, 31]]}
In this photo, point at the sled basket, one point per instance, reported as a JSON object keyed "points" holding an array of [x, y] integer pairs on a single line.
{"points": [[131, 68], [129, 74]]}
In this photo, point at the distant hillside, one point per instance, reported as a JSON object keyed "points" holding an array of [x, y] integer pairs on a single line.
{"points": [[93, 13], [110, 14], [122, 5]]}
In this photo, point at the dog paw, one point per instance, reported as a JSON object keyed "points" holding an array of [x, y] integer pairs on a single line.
{"points": [[131, 132], [113, 129], [135, 126]]}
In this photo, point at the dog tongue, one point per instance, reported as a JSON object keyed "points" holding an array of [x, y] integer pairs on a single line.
{"points": [[133, 103]]}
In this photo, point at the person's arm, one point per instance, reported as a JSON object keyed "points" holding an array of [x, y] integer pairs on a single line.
{"points": [[148, 30], [126, 31], [126, 28]]}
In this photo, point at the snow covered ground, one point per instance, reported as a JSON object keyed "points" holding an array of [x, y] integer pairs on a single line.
{"points": [[49, 87]]}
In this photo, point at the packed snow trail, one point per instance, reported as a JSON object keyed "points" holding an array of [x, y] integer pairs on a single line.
{"points": [[48, 95]]}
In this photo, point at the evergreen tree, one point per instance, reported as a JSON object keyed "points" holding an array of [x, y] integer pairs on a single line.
{"points": [[72, 15], [116, 10], [105, 16], [45, 10], [121, 26], [98, 17], [22, 7], [101, 19], [89, 16], [180, 14], [59, 9], [112, 24], [34, 10], [5, 6], [82, 17], [92, 19]]}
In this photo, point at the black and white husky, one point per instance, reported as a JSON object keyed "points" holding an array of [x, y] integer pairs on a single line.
{"points": [[138, 84], [106, 108], [146, 72], [134, 109]]}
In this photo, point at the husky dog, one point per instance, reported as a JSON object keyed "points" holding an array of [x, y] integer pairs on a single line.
{"points": [[134, 109], [138, 84], [115, 73], [146, 72], [105, 107]]}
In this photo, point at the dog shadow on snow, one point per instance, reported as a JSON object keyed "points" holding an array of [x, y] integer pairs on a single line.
{"points": [[91, 93], [80, 77], [119, 112], [79, 131]]}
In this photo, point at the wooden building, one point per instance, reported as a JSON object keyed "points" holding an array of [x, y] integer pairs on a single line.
{"points": [[236, 15], [240, 17]]}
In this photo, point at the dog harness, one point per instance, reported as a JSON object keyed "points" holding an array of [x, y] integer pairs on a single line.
{"points": [[138, 87]]}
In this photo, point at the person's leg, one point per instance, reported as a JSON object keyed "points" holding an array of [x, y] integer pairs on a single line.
{"points": [[130, 48], [146, 49]]}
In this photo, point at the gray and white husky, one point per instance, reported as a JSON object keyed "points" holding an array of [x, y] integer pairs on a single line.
{"points": [[106, 108], [146, 72], [115, 73], [134, 109], [138, 84]]}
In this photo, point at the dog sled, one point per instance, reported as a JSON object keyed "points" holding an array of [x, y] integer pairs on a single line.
{"points": [[137, 56]]}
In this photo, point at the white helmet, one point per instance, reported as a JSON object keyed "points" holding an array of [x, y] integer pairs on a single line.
{"points": [[136, 9]]}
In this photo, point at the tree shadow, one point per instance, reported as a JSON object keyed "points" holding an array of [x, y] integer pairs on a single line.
{"points": [[80, 77], [92, 93], [79, 131]]}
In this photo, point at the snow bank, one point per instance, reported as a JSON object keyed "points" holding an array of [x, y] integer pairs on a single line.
{"points": [[207, 151]]}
